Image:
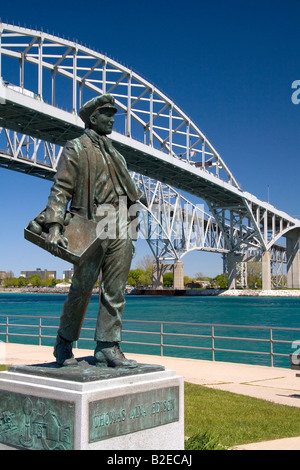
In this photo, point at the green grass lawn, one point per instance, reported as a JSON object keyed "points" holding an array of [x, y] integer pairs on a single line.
{"points": [[233, 419]]}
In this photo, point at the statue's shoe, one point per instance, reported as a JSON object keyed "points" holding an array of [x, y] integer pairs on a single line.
{"points": [[63, 352], [110, 354]]}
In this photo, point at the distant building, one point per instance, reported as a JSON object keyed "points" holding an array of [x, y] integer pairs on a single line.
{"points": [[45, 274], [68, 274]]}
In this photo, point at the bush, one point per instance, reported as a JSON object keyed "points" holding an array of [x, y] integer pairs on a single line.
{"points": [[203, 441], [221, 281]]}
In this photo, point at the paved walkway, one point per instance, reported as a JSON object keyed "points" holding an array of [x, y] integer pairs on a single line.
{"points": [[277, 385]]}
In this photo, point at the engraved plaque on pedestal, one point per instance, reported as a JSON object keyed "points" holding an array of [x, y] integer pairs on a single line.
{"points": [[33, 423], [122, 415]]}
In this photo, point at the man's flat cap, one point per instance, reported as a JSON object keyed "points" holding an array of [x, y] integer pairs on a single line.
{"points": [[100, 102]]}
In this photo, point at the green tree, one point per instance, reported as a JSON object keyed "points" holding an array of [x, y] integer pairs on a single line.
{"points": [[187, 280], [35, 280], [168, 279], [11, 282], [149, 274], [254, 274], [131, 281], [144, 280], [22, 281], [221, 281], [135, 276]]}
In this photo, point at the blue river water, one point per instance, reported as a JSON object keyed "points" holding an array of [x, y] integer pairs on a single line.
{"points": [[275, 312]]}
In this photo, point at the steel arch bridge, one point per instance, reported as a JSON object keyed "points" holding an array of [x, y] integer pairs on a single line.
{"points": [[45, 79]]}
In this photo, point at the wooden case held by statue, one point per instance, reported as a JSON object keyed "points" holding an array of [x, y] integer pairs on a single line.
{"points": [[81, 235]]}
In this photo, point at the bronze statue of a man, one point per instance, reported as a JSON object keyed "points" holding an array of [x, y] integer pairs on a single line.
{"points": [[90, 173]]}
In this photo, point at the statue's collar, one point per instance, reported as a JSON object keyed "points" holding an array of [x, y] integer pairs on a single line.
{"points": [[96, 138]]}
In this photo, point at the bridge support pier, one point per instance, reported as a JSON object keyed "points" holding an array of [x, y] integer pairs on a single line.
{"points": [[160, 268], [293, 261], [231, 267], [157, 276], [178, 275], [266, 271], [244, 274]]}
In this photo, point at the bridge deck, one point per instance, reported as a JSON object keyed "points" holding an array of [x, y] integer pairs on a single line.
{"points": [[27, 115]]}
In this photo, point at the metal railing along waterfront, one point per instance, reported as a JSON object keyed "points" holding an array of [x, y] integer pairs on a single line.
{"points": [[207, 337]]}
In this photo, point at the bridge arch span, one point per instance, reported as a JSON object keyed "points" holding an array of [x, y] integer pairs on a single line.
{"points": [[65, 74]]}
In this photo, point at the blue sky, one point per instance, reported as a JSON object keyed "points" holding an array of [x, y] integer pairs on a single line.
{"points": [[228, 64]]}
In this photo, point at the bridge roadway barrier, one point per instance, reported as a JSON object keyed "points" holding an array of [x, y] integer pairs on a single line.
{"points": [[274, 384]]}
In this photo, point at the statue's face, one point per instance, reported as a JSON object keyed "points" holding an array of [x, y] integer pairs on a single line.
{"points": [[102, 122]]}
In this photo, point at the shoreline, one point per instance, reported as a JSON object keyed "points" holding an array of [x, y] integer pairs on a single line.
{"points": [[39, 290], [187, 293], [261, 293]]}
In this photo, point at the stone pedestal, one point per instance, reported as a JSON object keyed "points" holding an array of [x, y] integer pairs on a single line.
{"points": [[50, 408]]}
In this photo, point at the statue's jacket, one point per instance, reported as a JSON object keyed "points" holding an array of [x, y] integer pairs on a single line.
{"points": [[90, 172]]}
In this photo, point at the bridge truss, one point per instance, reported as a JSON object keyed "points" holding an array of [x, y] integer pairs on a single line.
{"points": [[171, 224], [45, 81]]}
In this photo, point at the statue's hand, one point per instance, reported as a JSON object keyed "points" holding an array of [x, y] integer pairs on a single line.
{"points": [[55, 239]]}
